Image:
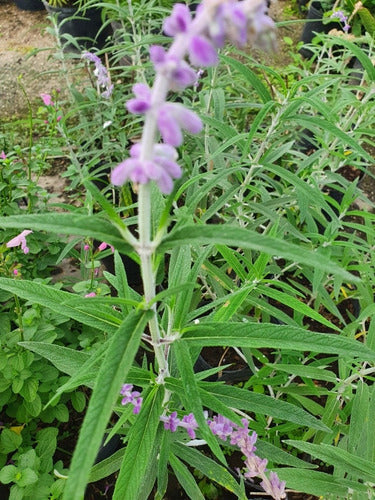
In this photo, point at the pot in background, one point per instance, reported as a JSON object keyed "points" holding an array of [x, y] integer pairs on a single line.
{"points": [[86, 26], [30, 5], [313, 26]]}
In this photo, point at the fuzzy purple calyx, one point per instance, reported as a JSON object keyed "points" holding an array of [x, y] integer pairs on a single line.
{"points": [[161, 168]]}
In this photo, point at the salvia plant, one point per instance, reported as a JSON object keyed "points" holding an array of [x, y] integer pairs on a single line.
{"points": [[209, 256]]}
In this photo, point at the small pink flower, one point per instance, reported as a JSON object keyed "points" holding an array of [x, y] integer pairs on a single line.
{"points": [[3, 156], [15, 272], [86, 248], [59, 118], [104, 245], [20, 240], [89, 295], [47, 99]]}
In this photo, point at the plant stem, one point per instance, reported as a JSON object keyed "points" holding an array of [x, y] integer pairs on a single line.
{"points": [[145, 251]]}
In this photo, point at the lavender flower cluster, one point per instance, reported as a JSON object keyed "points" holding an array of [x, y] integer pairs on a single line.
{"points": [[196, 42], [223, 428], [132, 397], [101, 73], [342, 18]]}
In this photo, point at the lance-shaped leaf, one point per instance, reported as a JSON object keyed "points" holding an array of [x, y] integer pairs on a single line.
{"points": [[112, 374], [233, 236]]}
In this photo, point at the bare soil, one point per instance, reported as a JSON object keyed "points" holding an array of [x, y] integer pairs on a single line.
{"points": [[28, 57]]}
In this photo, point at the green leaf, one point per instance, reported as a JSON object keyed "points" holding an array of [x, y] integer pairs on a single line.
{"points": [[46, 447], [355, 466], [296, 305], [249, 76], [185, 478], [312, 372], [8, 474], [78, 401], [367, 19], [318, 483], [112, 373], [34, 407], [84, 310], [107, 466], [191, 397], [65, 359], [360, 54], [9, 441], [278, 456], [29, 389], [275, 337], [311, 121], [28, 476], [208, 467], [65, 223], [239, 237], [242, 399], [141, 447], [61, 413]]}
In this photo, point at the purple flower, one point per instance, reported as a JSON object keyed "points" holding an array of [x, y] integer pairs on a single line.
{"points": [[20, 240], [202, 52], [190, 424], [3, 156], [172, 118], [101, 73], [178, 72], [142, 101], [220, 426], [132, 397], [274, 486], [343, 19], [243, 440], [230, 22], [172, 422], [90, 295], [162, 168], [179, 21]]}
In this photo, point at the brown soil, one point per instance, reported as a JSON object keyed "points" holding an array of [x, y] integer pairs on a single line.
{"points": [[27, 57]]}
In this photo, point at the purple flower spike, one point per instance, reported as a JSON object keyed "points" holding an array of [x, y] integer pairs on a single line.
{"points": [[274, 487], [179, 21], [101, 74], [179, 73], [142, 101], [132, 397], [202, 52], [171, 423], [190, 424], [220, 426], [137, 405], [173, 117]]}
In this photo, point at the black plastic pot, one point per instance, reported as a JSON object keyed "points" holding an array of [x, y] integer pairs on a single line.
{"points": [[30, 5], [313, 26], [85, 26]]}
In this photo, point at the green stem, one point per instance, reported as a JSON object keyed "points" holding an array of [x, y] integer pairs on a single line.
{"points": [[145, 250]]}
